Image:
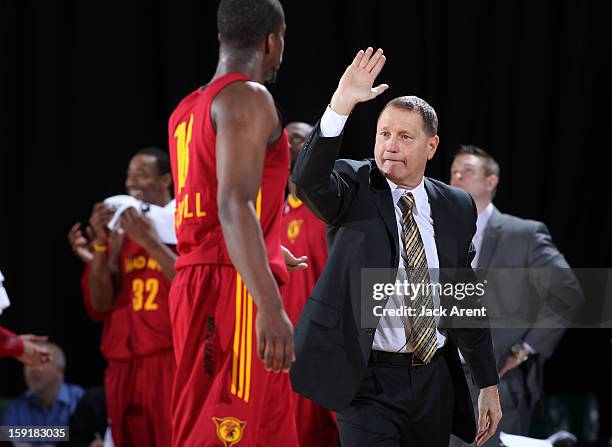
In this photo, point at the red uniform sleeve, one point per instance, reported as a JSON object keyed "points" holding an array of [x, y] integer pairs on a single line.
{"points": [[10, 344]]}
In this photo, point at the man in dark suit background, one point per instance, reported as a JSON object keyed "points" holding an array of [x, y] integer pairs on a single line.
{"points": [[539, 275], [401, 383]]}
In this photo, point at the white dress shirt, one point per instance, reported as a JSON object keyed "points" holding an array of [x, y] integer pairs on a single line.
{"points": [[390, 334], [4, 299], [481, 224]]}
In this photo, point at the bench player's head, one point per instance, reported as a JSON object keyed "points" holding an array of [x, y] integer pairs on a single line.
{"points": [[297, 132], [148, 176], [252, 30]]}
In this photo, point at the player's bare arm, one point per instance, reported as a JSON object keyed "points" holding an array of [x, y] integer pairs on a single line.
{"points": [[245, 119], [101, 282], [139, 228]]}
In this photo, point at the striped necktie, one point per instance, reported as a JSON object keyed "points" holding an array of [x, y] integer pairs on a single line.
{"points": [[422, 330]]}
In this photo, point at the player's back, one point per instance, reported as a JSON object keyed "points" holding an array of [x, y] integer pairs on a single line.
{"points": [[192, 142]]}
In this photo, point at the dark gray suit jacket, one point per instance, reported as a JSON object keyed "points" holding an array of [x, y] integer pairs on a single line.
{"points": [[544, 278], [354, 199]]}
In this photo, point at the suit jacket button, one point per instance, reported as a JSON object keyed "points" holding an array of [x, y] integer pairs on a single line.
{"points": [[370, 331]]}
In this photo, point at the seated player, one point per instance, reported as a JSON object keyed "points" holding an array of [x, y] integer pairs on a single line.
{"points": [[126, 284]]}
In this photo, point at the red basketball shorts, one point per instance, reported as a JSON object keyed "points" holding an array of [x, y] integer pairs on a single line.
{"points": [[222, 395], [138, 398]]}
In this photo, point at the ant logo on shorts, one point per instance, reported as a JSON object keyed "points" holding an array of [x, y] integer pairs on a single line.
{"points": [[229, 430]]}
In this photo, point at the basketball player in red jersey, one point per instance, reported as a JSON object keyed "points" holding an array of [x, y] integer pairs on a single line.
{"points": [[304, 233], [127, 288], [229, 157]]}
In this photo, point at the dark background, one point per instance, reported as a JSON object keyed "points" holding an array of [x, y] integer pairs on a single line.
{"points": [[84, 84]]}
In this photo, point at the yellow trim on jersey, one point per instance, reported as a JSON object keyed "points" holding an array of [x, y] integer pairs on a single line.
{"points": [[294, 202], [258, 205]]}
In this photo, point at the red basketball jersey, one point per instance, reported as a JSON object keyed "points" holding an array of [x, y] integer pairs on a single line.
{"points": [[304, 235], [193, 157], [145, 289]]}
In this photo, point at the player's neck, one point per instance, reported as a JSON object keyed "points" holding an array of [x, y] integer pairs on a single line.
{"points": [[249, 64]]}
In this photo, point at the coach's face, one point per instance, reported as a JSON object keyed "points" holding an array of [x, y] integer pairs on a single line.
{"points": [[402, 146]]}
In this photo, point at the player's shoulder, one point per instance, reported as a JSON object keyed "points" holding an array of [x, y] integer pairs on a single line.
{"points": [[246, 94]]}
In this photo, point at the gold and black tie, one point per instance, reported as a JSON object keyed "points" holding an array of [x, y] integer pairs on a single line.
{"points": [[421, 331]]}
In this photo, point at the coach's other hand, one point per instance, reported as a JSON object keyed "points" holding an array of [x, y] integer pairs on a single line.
{"points": [[489, 414]]}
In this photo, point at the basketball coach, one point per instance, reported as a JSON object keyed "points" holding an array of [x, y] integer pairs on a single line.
{"points": [[402, 383]]}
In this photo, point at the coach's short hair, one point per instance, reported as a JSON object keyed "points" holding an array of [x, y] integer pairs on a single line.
{"points": [[243, 24], [161, 157], [416, 104]]}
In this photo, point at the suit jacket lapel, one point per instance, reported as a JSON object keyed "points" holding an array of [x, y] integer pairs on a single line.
{"points": [[386, 208], [489, 239], [446, 242]]}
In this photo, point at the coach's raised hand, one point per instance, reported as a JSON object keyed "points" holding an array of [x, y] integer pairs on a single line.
{"points": [[356, 84]]}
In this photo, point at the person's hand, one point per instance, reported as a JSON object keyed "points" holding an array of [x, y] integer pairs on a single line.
{"points": [[138, 227], [292, 262], [33, 353], [489, 414], [81, 245], [511, 362], [356, 83], [100, 217], [274, 339]]}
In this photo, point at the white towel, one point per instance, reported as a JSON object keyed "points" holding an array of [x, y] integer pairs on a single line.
{"points": [[522, 441], [4, 299], [161, 217]]}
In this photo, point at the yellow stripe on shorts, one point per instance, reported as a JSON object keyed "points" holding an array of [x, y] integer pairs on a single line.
{"points": [[242, 355]]}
